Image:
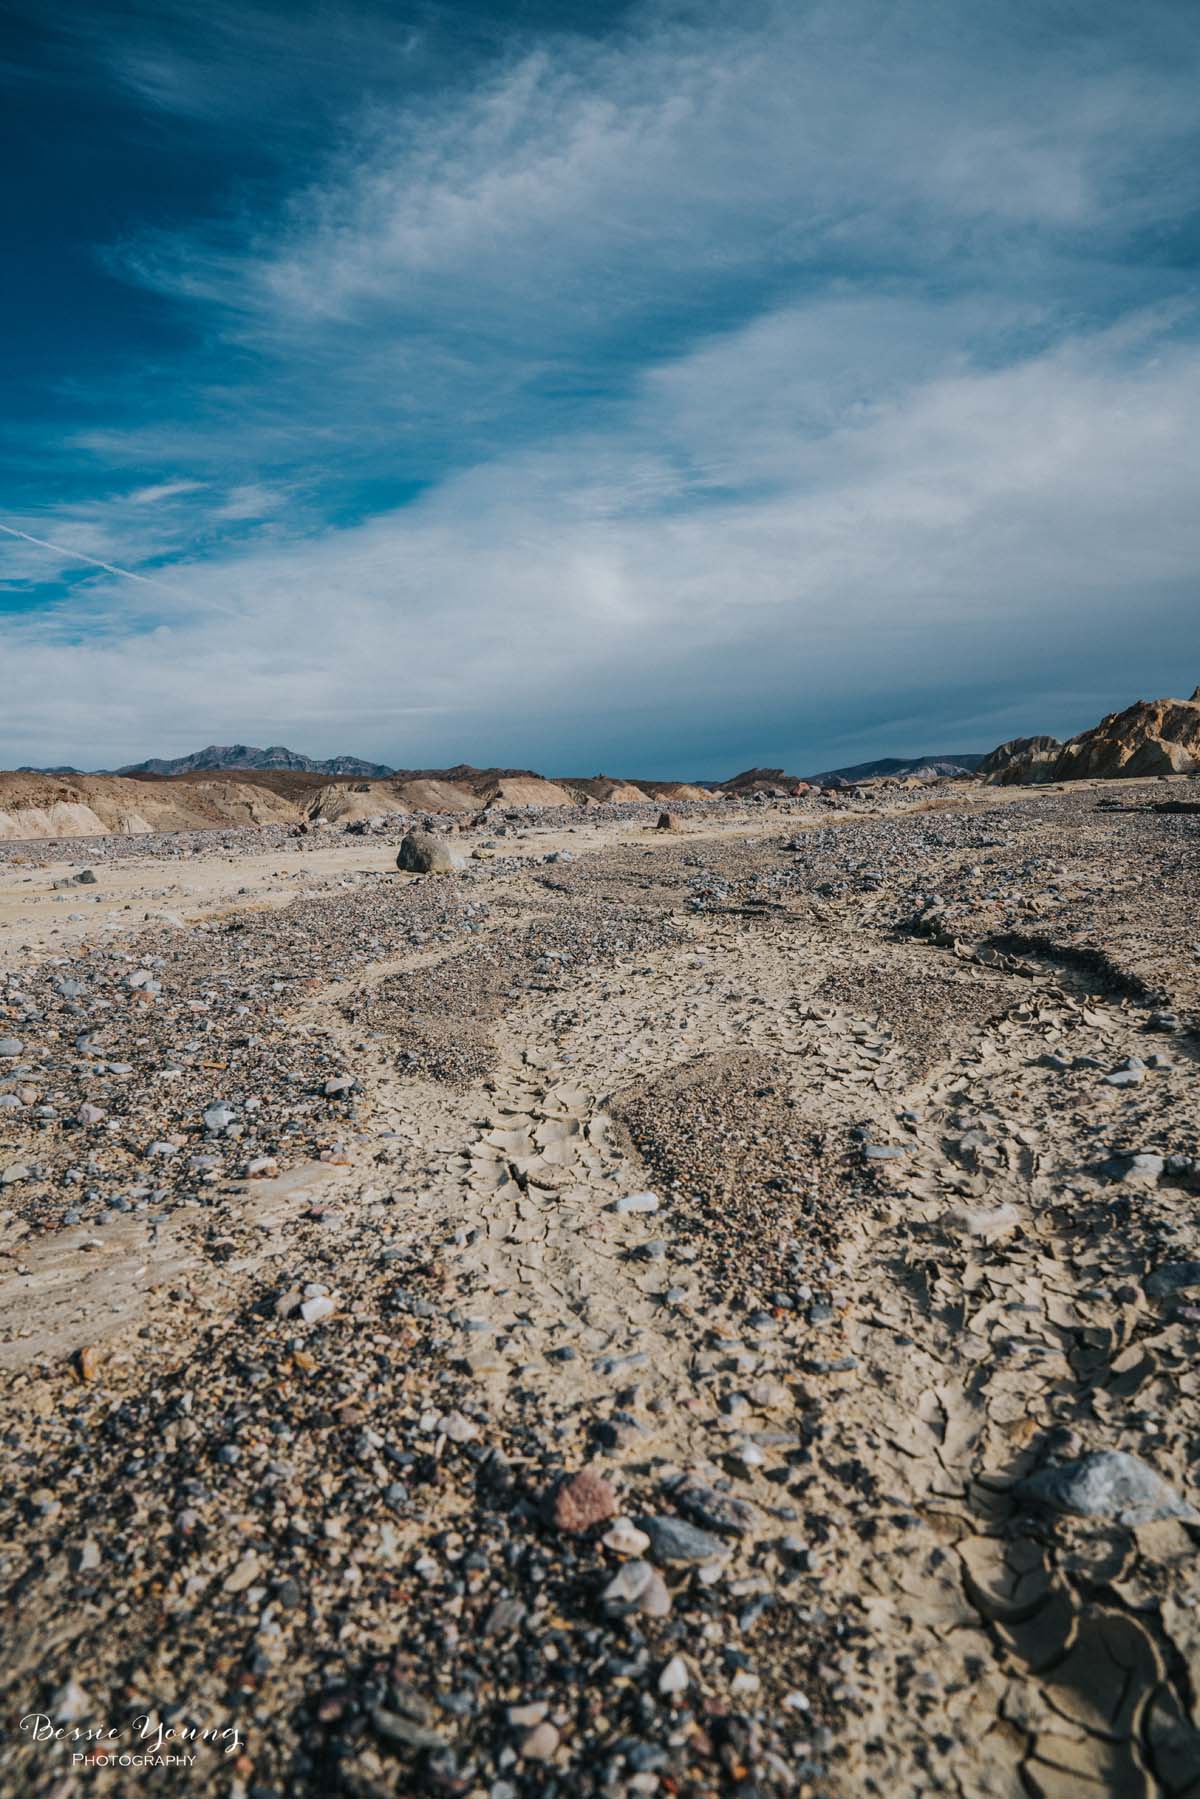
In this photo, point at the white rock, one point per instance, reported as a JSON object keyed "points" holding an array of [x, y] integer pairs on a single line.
{"points": [[637, 1202], [674, 1677], [624, 1538], [315, 1311]]}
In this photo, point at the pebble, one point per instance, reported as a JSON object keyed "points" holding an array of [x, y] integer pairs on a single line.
{"points": [[674, 1677], [719, 1511], [541, 1743], [624, 1538], [316, 1310], [582, 1500], [675, 1540], [636, 1587], [637, 1202]]}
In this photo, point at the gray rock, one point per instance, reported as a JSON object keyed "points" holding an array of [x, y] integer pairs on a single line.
{"points": [[725, 1512], [11, 1046], [675, 1540], [636, 1587], [421, 853], [1107, 1484]]}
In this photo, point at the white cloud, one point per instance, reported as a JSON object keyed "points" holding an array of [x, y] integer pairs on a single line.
{"points": [[972, 527], [163, 490]]}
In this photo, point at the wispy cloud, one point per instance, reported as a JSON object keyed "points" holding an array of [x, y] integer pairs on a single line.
{"points": [[704, 385]]}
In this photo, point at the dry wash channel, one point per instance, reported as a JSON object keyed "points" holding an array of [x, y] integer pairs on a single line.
{"points": [[713, 1317]]}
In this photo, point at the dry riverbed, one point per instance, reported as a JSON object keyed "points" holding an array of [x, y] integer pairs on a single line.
{"points": [[709, 1312]]}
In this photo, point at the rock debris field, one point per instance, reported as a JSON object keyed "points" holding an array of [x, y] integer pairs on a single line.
{"points": [[697, 1311]]}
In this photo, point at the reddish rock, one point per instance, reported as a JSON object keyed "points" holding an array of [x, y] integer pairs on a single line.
{"points": [[582, 1500]]}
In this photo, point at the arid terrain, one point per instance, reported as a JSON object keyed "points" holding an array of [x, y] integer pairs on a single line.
{"points": [[709, 1310]]}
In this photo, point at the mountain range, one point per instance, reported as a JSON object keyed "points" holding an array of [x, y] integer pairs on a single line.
{"points": [[244, 755]]}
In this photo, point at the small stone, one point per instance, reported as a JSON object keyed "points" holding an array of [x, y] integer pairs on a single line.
{"points": [[636, 1587], [243, 1576], [316, 1310], [524, 1717], [582, 1500], [624, 1538], [11, 1046], [675, 1540], [674, 1677], [716, 1510], [458, 1428], [637, 1202], [541, 1743]]}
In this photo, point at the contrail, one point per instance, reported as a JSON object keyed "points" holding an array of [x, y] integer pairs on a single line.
{"points": [[61, 549]]}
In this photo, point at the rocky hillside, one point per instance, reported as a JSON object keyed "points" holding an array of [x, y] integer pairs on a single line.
{"points": [[1020, 760], [1151, 737]]}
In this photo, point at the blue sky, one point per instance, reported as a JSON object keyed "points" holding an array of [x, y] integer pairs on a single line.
{"points": [[651, 388]]}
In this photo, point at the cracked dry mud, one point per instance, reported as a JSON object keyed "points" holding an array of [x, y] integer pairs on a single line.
{"points": [[899, 1258]]}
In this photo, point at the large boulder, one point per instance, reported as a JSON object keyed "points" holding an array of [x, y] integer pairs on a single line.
{"points": [[421, 853]]}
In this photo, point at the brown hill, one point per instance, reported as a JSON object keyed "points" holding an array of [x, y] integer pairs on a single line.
{"points": [[94, 805]]}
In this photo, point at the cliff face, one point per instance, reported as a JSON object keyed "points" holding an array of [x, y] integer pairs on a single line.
{"points": [[1151, 737]]}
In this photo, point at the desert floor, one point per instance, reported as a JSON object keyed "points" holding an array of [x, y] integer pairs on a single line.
{"points": [[696, 1312]]}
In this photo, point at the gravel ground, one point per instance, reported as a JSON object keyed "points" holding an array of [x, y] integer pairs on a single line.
{"points": [[618, 1320]]}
